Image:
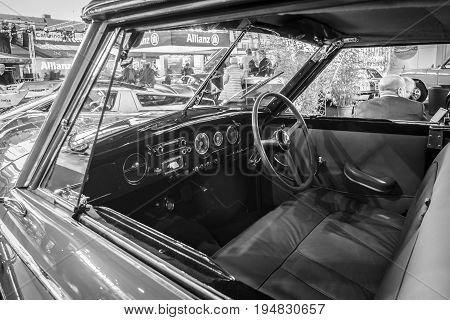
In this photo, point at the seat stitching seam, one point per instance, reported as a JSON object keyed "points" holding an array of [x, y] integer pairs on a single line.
{"points": [[309, 284], [290, 254], [361, 242], [328, 268]]}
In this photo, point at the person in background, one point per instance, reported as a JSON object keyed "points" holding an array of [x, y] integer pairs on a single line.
{"points": [[246, 62], [168, 78], [129, 75], [265, 66], [232, 80], [5, 77], [252, 68], [392, 103], [186, 72], [148, 77]]}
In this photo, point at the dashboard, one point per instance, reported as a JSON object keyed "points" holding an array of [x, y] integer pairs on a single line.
{"points": [[204, 145]]}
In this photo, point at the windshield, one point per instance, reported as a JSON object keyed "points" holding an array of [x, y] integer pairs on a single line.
{"points": [[174, 70], [151, 74]]}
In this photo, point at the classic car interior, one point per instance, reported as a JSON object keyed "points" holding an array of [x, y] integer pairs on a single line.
{"points": [[365, 204], [354, 225], [256, 202]]}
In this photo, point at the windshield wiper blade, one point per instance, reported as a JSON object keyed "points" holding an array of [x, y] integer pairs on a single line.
{"points": [[254, 87], [197, 97]]}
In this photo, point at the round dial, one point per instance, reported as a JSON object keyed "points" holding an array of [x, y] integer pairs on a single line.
{"points": [[218, 138], [232, 134], [134, 168], [201, 143]]}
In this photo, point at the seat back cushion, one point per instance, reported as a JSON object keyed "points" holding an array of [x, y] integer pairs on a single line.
{"points": [[420, 268]]}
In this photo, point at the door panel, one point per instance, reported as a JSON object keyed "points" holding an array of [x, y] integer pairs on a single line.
{"points": [[376, 147], [401, 157]]}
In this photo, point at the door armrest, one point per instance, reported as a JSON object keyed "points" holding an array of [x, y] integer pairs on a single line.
{"points": [[378, 184]]}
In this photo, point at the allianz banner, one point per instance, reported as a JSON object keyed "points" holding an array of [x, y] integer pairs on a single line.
{"points": [[185, 38], [53, 69]]}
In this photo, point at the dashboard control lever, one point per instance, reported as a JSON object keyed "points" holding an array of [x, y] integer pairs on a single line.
{"points": [[321, 162]]}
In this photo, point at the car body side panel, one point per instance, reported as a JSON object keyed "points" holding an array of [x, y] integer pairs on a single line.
{"points": [[444, 77], [82, 264], [128, 103], [423, 75]]}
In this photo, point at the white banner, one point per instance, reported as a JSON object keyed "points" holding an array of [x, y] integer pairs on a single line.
{"points": [[244, 310]]}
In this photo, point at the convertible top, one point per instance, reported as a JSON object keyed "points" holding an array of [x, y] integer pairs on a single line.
{"points": [[383, 22]]}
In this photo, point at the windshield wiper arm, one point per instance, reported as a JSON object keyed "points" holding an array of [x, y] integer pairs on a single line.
{"points": [[195, 98], [254, 87], [261, 83]]}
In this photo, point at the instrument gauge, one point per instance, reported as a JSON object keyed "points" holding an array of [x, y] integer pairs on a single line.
{"points": [[232, 134], [218, 139], [134, 168], [201, 143]]}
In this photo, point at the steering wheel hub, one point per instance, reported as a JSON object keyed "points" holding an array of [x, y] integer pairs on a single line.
{"points": [[281, 141]]}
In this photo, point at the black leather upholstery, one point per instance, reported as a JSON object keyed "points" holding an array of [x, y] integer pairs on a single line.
{"points": [[324, 245], [421, 264]]}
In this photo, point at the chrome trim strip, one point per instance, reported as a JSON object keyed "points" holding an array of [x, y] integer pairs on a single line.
{"points": [[192, 122], [174, 245], [55, 199], [85, 70], [7, 258], [52, 287], [156, 263]]}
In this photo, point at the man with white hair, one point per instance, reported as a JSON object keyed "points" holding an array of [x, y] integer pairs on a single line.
{"points": [[392, 103]]}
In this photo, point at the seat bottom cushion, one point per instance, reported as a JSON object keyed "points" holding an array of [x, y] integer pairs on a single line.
{"points": [[323, 245]]}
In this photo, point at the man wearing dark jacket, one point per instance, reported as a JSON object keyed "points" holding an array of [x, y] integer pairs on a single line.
{"points": [[265, 66], [5, 77], [391, 104]]}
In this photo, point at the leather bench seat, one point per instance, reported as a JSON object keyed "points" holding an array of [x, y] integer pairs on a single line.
{"points": [[326, 245]]}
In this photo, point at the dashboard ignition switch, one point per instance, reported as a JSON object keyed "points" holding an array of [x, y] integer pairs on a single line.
{"points": [[169, 204]]}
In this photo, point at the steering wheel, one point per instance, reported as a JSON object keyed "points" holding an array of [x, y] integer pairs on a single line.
{"points": [[281, 142]]}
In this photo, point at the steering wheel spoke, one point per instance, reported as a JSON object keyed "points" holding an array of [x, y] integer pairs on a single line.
{"points": [[269, 143], [295, 126]]}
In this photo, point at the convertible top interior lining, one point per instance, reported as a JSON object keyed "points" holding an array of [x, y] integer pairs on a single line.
{"points": [[375, 23]]}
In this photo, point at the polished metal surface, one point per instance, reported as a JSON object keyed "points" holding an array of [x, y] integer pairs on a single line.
{"points": [[73, 262], [9, 288], [14, 206], [196, 287], [88, 62], [53, 288]]}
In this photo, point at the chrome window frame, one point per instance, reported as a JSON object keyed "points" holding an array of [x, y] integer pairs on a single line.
{"points": [[86, 67]]}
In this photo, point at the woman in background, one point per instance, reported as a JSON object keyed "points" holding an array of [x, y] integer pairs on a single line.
{"points": [[232, 79]]}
